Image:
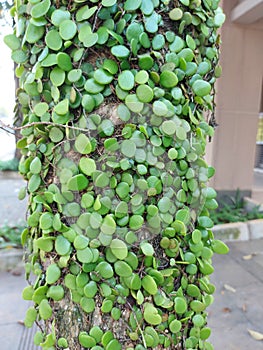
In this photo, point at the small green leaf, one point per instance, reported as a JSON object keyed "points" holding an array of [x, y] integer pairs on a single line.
{"points": [[151, 315], [119, 249], [62, 245], [83, 144], [126, 80], [67, 29], [53, 273], [201, 88], [122, 269], [147, 249], [149, 284], [219, 247], [45, 310], [56, 293]]}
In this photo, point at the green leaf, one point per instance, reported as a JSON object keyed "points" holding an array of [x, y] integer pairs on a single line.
{"points": [[87, 166], [219, 19], [12, 41], [151, 314], [90, 289], [34, 183], [53, 273], [126, 80], [108, 226], [46, 221], [56, 293], [64, 61], [128, 148], [205, 222], [85, 13], [175, 326], [57, 76], [104, 269], [40, 9], [103, 77], [55, 134], [31, 316], [147, 249], [132, 5], [108, 3], [219, 247], [34, 33], [45, 310], [83, 144], [160, 109], [45, 244], [58, 16], [27, 293], [62, 245], [35, 166], [180, 305], [133, 103], [78, 183], [67, 29], [19, 56], [53, 40], [168, 79], [120, 51], [122, 269], [88, 305], [201, 88], [176, 14], [149, 284], [119, 249], [144, 93]]}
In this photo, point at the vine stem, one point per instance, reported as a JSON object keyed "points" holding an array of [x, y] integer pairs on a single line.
{"points": [[6, 126]]}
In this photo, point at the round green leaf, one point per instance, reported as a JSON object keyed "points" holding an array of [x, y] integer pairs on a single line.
{"points": [[103, 77], [168, 79], [53, 273], [132, 5], [57, 76], [53, 40], [175, 326], [144, 93], [78, 183], [122, 269], [119, 249], [120, 51], [201, 88], [126, 80], [62, 245], [147, 249], [55, 292], [35, 166], [59, 16], [149, 284], [40, 9], [82, 144], [67, 29]]}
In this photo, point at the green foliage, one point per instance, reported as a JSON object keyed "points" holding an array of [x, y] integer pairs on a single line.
{"points": [[6, 165], [114, 95], [233, 210], [10, 235]]}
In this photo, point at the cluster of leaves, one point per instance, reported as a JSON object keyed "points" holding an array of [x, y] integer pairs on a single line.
{"points": [[10, 235], [233, 210], [113, 139], [11, 164]]}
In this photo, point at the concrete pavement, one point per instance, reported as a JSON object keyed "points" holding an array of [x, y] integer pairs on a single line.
{"points": [[238, 305]]}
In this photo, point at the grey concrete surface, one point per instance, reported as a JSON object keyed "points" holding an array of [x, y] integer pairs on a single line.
{"points": [[12, 210]]}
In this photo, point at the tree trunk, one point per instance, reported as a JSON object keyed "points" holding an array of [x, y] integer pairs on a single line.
{"points": [[114, 96]]}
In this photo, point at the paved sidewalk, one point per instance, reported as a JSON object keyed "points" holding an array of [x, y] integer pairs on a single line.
{"points": [[238, 302]]}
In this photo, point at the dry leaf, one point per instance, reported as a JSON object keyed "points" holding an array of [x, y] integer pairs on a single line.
{"points": [[229, 288], [248, 257], [244, 308], [255, 335], [226, 310]]}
